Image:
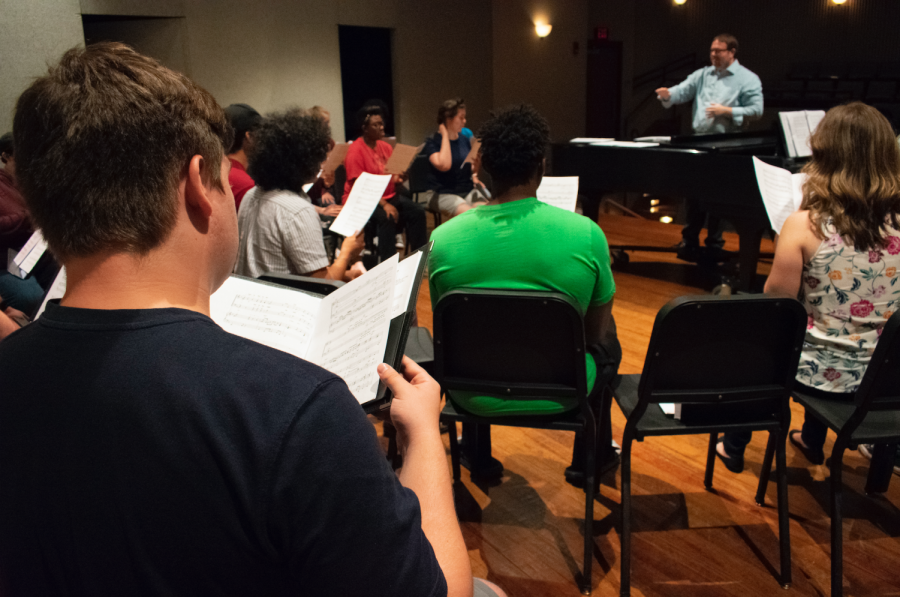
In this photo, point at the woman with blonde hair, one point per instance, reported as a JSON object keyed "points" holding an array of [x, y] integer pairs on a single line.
{"points": [[840, 255]]}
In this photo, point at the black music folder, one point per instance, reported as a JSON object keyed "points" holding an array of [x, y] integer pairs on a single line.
{"points": [[349, 331]]}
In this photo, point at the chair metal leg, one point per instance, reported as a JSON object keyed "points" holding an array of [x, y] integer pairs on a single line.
{"points": [[590, 476], [625, 555], [710, 460], [454, 450], [837, 552], [767, 468], [784, 524]]}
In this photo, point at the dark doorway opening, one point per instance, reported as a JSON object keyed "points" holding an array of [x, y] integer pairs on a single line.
{"points": [[365, 73], [604, 88]]}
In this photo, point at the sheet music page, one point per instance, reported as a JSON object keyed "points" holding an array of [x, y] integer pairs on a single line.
{"points": [[813, 118], [401, 159], [473, 153], [614, 143], [29, 255], [57, 290], [788, 136], [352, 331], [777, 190], [406, 275], [799, 133], [334, 158], [590, 139], [307, 187], [366, 192], [560, 191], [280, 318], [797, 181]]}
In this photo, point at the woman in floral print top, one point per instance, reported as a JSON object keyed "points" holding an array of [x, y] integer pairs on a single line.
{"points": [[840, 255]]}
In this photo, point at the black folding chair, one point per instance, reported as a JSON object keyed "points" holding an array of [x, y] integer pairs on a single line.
{"points": [[730, 364], [872, 418], [520, 345]]}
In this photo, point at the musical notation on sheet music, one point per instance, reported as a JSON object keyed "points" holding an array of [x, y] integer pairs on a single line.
{"points": [[561, 191], [352, 333], [277, 317], [364, 196]]}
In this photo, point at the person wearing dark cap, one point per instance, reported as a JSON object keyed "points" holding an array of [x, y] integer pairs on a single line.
{"points": [[244, 120], [15, 230]]}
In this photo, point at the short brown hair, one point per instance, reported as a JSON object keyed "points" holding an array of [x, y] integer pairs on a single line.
{"points": [[854, 175], [449, 109], [730, 41], [102, 141]]}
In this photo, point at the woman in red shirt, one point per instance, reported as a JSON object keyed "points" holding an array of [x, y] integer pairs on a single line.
{"points": [[370, 154]]}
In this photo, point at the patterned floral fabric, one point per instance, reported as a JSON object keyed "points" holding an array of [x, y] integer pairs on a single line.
{"points": [[849, 296]]}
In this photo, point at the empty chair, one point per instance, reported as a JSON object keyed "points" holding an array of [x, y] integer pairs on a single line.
{"points": [[730, 364], [881, 91], [805, 70]]}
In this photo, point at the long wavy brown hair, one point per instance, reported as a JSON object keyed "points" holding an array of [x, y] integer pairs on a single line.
{"points": [[854, 175]]}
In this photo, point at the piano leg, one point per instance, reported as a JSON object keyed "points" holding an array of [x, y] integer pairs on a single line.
{"points": [[749, 238]]}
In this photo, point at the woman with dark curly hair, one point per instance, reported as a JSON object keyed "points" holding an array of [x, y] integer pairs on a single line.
{"points": [[515, 242], [279, 228], [840, 255], [450, 177]]}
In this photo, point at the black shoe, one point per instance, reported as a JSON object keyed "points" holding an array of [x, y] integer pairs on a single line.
{"points": [[575, 477], [815, 457], [716, 254], [688, 252], [732, 463], [490, 471]]}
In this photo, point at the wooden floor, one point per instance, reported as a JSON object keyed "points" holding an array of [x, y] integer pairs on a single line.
{"points": [[525, 532]]}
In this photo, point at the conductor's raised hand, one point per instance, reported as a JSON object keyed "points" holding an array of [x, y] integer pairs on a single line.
{"points": [[416, 406], [663, 93]]}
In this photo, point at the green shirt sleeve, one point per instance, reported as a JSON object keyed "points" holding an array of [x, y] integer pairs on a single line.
{"points": [[605, 286]]}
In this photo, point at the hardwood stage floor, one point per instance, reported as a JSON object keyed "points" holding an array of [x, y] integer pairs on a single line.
{"points": [[525, 532]]}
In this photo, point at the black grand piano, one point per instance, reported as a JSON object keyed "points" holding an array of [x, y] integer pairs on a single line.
{"points": [[715, 170]]}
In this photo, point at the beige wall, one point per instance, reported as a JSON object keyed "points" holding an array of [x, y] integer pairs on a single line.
{"points": [[33, 33], [542, 72]]}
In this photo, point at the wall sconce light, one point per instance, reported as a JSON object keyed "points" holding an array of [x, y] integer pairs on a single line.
{"points": [[680, 2], [838, 1], [542, 29]]}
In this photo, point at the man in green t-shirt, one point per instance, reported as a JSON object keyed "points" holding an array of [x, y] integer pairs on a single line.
{"points": [[517, 242]]}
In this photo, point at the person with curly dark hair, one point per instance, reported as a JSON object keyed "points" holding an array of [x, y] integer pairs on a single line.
{"points": [[516, 242], [370, 154], [279, 227], [449, 175]]}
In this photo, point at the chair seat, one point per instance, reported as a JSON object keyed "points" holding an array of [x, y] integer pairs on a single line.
{"points": [[656, 422], [877, 427], [570, 421]]}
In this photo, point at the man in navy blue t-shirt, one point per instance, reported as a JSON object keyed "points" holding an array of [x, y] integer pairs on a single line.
{"points": [[145, 450]]}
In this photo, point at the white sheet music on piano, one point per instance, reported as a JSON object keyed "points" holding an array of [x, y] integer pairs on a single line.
{"points": [[366, 192], [28, 256], [345, 332], [781, 191], [560, 191]]}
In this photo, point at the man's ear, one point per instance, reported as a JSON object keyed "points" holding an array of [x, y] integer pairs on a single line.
{"points": [[196, 194]]}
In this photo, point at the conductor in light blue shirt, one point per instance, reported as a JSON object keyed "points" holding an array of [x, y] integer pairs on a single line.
{"points": [[725, 94]]}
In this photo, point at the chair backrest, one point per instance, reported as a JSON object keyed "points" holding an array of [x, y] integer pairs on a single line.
{"points": [[418, 174], [706, 349], [340, 179], [309, 284], [880, 386], [510, 343]]}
